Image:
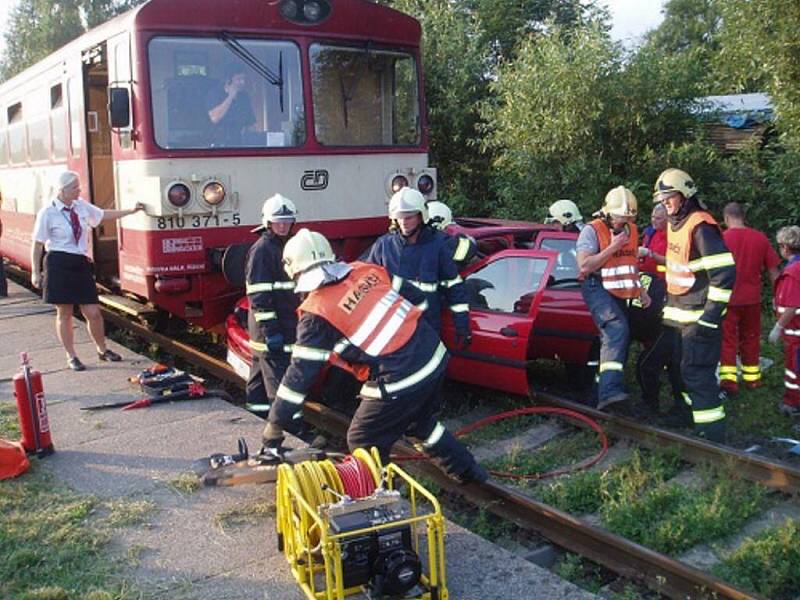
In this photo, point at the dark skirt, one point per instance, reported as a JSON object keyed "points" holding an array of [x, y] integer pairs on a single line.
{"points": [[68, 279]]}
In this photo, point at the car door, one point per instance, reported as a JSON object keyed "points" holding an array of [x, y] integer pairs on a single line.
{"points": [[564, 327], [504, 292]]}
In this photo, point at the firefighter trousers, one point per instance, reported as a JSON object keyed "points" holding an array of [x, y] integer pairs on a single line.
{"points": [[700, 352], [791, 373], [741, 335], [660, 354], [266, 373], [380, 422], [610, 315]]}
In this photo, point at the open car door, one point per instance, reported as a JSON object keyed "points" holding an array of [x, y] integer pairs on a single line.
{"points": [[504, 292]]}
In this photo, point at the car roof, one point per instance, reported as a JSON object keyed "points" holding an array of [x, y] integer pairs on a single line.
{"points": [[484, 227]]}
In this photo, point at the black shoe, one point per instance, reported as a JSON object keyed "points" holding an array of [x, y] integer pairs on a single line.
{"points": [[75, 364], [678, 420], [475, 474], [109, 355]]}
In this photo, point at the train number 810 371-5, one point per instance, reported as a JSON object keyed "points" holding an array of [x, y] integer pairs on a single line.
{"points": [[196, 221]]}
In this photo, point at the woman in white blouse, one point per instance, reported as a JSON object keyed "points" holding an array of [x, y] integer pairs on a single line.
{"points": [[62, 229]]}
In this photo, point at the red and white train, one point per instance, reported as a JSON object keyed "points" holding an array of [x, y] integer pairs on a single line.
{"points": [[336, 90]]}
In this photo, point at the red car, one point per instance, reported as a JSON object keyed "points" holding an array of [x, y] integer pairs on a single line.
{"points": [[525, 304]]}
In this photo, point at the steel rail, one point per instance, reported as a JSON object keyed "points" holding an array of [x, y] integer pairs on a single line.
{"points": [[660, 573], [775, 475]]}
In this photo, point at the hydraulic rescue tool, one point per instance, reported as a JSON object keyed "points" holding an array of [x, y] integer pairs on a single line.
{"points": [[32, 409]]}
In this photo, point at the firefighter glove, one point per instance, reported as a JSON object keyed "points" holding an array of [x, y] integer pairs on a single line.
{"points": [[463, 339], [275, 343], [775, 334]]}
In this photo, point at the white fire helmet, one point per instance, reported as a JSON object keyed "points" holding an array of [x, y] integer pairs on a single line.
{"points": [[408, 200], [302, 253], [277, 208], [439, 215]]}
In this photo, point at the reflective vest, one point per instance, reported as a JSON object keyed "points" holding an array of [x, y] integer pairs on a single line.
{"points": [[364, 307], [620, 273], [680, 276]]}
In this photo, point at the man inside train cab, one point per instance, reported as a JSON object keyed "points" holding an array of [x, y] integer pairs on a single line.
{"points": [[351, 317], [229, 108], [271, 320]]}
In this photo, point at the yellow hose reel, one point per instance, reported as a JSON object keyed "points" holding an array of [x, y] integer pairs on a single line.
{"points": [[359, 527]]}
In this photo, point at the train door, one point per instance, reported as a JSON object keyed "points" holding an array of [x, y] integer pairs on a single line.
{"points": [[101, 166]]}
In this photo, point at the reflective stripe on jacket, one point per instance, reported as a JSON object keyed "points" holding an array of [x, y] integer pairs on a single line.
{"points": [[620, 273], [680, 276]]}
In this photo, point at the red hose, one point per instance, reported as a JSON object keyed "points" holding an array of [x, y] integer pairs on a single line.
{"points": [[356, 477], [533, 410]]}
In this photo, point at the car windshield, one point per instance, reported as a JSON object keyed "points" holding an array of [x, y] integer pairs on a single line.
{"points": [[226, 93], [364, 96], [507, 284]]}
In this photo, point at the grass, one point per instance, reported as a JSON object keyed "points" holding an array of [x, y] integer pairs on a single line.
{"points": [[55, 542], [580, 571], [768, 564], [589, 491], [253, 512], [185, 483], [671, 518]]}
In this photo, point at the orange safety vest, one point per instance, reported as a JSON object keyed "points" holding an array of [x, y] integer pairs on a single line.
{"points": [[364, 307], [620, 273], [680, 278]]}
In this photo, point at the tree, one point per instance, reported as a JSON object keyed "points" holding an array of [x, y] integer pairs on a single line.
{"points": [[38, 27]]}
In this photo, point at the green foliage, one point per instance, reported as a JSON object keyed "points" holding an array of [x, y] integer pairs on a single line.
{"points": [[767, 564], [579, 571], [38, 27], [671, 518]]}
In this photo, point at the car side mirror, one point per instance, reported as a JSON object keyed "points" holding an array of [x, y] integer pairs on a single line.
{"points": [[119, 107]]}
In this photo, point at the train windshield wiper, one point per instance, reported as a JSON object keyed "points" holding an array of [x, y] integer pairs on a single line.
{"points": [[235, 46]]}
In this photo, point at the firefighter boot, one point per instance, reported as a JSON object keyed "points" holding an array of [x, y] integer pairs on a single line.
{"points": [[456, 460], [713, 432]]}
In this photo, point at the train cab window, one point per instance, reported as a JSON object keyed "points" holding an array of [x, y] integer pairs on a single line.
{"points": [[507, 284], [16, 134], [364, 96], [226, 93], [565, 271]]}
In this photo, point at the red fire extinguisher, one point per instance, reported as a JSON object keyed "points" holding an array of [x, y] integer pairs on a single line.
{"points": [[32, 409]]}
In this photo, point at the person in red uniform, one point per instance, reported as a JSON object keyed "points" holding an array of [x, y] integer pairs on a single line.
{"points": [[741, 329], [653, 249], [787, 306]]}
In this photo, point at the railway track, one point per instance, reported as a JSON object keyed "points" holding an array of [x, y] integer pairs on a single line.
{"points": [[662, 574]]}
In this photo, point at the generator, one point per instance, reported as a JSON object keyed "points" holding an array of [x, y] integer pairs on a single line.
{"points": [[359, 527]]}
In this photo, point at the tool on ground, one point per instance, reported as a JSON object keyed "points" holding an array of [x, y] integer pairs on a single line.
{"points": [[193, 391], [161, 380], [345, 529], [32, 410], [793, 444]]}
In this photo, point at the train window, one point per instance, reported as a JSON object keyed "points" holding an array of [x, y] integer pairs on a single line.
{"points": [[226, 93], [39, 138], [58, 122], [74, 92], [16, 134], [364, 96], [56, 97]]}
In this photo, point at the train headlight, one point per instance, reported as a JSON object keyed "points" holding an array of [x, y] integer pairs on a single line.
{"points": [[179, 195], [399, 182], [425, 184], [213, 193], [305, 12]]}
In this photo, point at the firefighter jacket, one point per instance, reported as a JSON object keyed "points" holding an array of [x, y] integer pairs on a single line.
{"points": [[464, 248], [273, 303], [787, 295], [700, 272], [620, 273], [363, 322], [427, 266]]}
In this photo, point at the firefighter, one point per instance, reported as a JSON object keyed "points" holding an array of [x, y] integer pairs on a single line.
{"points": [[418, 257], [567, 213], [787, 306], [353, 318], [271, 320], [464, 247], [700, 277], [741, 329], [607, 259]]}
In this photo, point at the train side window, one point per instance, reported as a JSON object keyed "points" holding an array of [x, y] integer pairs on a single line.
{"points": [[74, 95], [58, 122], [16, 134]]}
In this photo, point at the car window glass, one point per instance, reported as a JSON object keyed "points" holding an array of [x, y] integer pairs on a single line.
{"points": [[566, 267], [507, 284]]}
